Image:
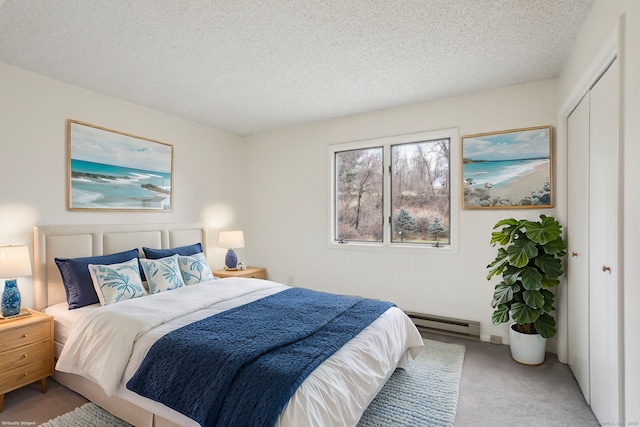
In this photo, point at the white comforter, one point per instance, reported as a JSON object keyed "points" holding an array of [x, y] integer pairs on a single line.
{"points": [[108, 345]]}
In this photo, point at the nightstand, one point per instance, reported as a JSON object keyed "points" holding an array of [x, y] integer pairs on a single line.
{"points": [[26, 352], [253, 272]]}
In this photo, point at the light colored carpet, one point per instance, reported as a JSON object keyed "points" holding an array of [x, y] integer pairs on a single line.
{"points": [[425, 395]]}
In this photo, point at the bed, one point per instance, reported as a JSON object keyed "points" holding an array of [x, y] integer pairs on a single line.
{"points": [[334, 393]]}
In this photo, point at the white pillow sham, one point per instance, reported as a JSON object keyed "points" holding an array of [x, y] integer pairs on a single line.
{"points": [[162, 274], [117, 282], [195, 269]]}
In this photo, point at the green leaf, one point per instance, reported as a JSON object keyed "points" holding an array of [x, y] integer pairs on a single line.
{"points": [[533, 299], [500, 237], [506, 235], [522, 313], [498, 264], [546, 326], [507, 221], [550, 265], [543, 231], [521, 251], [503, 293], [549, 300], [549, 283], [511, 274], [502, 255], [500, 315], [517, 297], [555, 247], [531, 278], [496, 271]]}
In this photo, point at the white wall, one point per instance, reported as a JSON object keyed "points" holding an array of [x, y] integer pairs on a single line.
{"points": [[622, 17], [287, 210], [33, 156]]}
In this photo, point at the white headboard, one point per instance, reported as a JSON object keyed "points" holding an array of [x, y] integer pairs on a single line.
{"points": [[72, 241]]}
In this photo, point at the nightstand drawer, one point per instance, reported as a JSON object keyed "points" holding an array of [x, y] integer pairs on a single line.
{"points": [[24, 335], [250, 272], [257, 275], [25, 355], [31, 372]]}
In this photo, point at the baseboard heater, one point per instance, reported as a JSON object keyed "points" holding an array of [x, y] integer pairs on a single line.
{"points": [[446, 325]]}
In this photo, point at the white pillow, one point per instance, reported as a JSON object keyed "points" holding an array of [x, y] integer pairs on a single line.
{"points": [[117, 282], [162, 274], [195, 269]]}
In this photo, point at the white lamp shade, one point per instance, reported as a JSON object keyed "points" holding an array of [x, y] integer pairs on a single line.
{"points": [[231, 239], [14, 261]]}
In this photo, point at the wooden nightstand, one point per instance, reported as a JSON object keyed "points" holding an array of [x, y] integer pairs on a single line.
{"points": [[26, 352], [253, 272]]}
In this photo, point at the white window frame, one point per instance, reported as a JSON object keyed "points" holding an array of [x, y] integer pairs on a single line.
{"points": [[454, 188]]}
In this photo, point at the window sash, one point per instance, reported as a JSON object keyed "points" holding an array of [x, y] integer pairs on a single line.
{"points": [[355, 192], [426, 166]]}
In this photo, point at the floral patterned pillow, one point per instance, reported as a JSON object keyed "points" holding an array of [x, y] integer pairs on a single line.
{"points": [[195, 269], [117, 282], [162, 274]]}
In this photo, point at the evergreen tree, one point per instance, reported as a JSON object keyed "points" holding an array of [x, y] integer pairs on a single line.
{"points": [[436, 229], [404, 224]]}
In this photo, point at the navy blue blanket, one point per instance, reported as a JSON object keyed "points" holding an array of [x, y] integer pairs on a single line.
{"points": [[242, 366]]}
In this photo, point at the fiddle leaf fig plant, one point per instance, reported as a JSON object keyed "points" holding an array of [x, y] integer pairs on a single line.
{"points": [[529, 260]]}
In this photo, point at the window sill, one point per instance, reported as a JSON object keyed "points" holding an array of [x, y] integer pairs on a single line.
{"points": [[394, 247]]}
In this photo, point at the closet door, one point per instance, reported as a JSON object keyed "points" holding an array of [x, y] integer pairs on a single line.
{"points": [[577, 231], [604, 302]]}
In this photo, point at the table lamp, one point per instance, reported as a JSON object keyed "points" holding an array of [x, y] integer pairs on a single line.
{"points": [[231, 240], [14, 262]]}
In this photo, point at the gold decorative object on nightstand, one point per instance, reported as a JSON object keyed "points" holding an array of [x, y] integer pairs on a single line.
{"points": [[252, 272], [26, 352]]}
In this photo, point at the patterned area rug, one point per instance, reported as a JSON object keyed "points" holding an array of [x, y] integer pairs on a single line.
{"points": [[425, 395]]}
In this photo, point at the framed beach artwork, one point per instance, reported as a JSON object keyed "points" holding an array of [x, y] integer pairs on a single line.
{"points": [[508, 169], [111, 170]]}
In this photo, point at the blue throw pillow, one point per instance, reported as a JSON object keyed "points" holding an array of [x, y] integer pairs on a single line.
{"points": [[77, 279], [150, 253]]}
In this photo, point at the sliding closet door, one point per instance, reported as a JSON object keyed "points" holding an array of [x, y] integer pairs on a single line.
{"points": [[605, 326], [577, 230], [593, 229]]}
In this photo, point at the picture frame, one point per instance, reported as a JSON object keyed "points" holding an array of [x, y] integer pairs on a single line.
{"points": [[108, 170], [509, 169]]}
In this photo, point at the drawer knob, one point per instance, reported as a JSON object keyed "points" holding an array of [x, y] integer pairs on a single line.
{"points": [[25, 374], [24, 336], [25, 355]]}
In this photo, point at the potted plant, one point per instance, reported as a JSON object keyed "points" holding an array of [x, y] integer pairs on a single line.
{"points": [[530, 262]]}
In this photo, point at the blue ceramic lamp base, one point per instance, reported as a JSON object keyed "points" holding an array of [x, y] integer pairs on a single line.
{"points": [[231, 259], [11, 298]]}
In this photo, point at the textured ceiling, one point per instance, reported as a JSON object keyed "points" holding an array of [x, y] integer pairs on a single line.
{"points": [[249, 66]]}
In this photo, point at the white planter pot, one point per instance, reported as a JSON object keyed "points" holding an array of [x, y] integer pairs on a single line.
{"points": [[527, 349]]}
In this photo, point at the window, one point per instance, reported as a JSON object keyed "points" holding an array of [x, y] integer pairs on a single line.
{"points": [[395, 191]]}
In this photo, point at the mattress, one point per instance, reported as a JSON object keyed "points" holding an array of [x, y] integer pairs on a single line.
{"points": [[64, 320]]}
